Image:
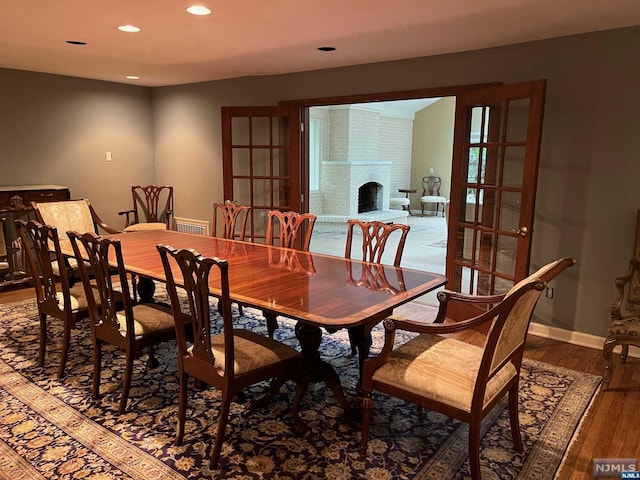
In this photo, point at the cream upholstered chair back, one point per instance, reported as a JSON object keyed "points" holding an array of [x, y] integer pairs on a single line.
{"points": [[511, 336], [66, 216]]}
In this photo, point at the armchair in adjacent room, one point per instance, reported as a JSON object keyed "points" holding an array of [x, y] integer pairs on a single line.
{"points": [[431, 193]]}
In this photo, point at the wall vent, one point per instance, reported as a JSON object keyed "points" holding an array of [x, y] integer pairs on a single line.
{"points": [[187, 225]]}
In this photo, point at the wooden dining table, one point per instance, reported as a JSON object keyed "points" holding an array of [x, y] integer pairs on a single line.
{"points": [[319, 291]]}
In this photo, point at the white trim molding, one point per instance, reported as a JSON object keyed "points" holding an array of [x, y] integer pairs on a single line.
{"points": [[575, 338]]}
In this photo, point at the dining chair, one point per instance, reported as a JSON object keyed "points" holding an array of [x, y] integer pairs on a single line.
{"points": [[137, 327], [152, 208], [455, 378], [375, 236], [287, 230], [232, 218], [230, 360], [55, 297]]}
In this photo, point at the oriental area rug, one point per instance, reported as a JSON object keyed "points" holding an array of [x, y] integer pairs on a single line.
{"points": [[51, 428]]}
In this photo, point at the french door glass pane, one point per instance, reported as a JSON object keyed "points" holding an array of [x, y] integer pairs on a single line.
{"points": [[260, 130], [513, 166], [261, 162], [242, 191], [505, 259], [262, 192], [240, 162], [510, 211], [240, 131], [518, 120]]}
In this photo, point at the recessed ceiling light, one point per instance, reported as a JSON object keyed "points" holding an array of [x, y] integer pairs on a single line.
{"points": [[326, 49], [132, 77], [199, 10], [76, 42], [129, 28]]}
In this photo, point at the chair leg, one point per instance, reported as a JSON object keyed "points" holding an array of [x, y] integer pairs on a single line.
{"points": [[182, 408], [126, 381], [607, 350], [43, 338], [624, 353], [474, 448], [97, 366], [222, 428], [152, 361], [272, 323], [514, 419], [66, 340], [353, 341], [367, 403]]}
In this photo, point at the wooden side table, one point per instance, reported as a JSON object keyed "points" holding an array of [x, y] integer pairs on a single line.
{"points": [[407, 191]]}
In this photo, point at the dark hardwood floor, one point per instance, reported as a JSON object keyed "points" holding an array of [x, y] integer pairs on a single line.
{"points": [[610, 430]]}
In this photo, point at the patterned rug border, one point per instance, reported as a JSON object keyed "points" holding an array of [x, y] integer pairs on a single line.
{"points": [[126, 457], [444, 463]]}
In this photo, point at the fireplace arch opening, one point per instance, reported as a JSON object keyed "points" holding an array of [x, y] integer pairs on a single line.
{"points": [[369, 197]]}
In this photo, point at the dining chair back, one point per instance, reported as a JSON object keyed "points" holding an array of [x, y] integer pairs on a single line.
{"points": [[290, 229], [231, 359], [447, 375], [55, 297], [232, 218], [152, 208], [132, 329], [375, 236], [77, 215]]}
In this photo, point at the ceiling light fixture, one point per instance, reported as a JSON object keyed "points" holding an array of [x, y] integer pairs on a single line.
{"points": [[132, 77], [326, 49], [76, 42], [199, 10], [129, 28]]}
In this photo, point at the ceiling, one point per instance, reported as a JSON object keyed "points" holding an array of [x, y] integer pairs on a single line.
{"points": [[256, 37]]}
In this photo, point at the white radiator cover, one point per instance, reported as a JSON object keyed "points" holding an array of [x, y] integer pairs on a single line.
{"points": [[188, 225]]}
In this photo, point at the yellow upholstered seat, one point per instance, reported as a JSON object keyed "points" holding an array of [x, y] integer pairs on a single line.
{"points": [[453, 377]]}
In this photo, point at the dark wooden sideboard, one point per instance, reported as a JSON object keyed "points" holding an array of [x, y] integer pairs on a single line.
{"points": [[15, 202]]}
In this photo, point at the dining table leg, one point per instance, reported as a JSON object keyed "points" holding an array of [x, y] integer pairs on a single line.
{"points": [[310, 337]]}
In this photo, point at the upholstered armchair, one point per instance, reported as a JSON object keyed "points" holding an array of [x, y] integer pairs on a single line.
{"points": [[152, 208], [449, 376], [624, 329], [77, 215]]}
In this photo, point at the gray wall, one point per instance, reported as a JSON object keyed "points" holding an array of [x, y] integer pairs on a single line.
{"points": [[56, 129]]}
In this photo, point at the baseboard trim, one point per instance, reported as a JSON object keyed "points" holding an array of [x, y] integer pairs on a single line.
{"points": [[575, 338]]}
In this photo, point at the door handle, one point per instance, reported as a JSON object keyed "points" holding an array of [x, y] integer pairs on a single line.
{"points": [[522, 231]]}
